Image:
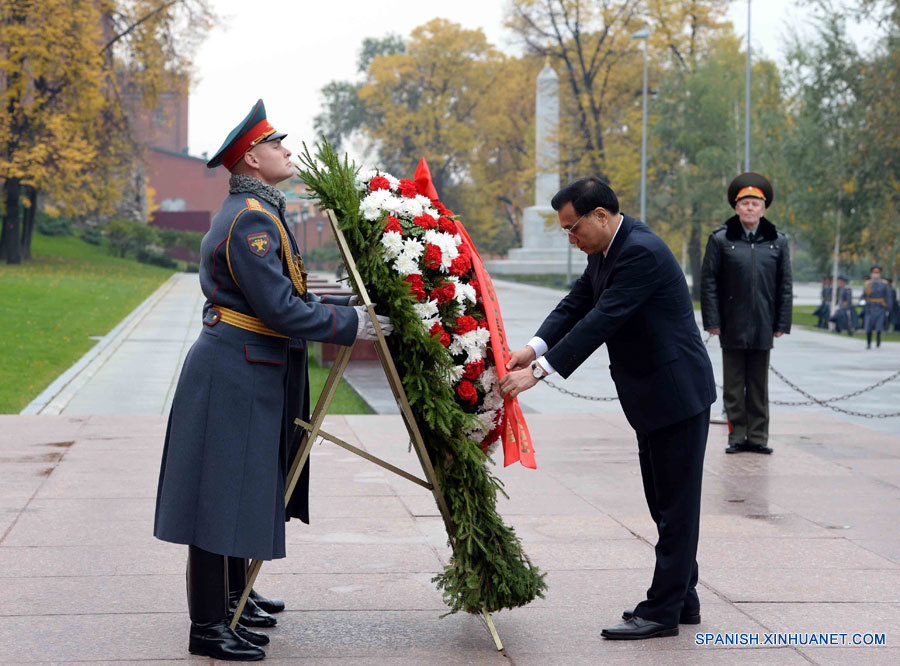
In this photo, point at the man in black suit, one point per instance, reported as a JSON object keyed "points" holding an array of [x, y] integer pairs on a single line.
{"points": [[633, 296]]}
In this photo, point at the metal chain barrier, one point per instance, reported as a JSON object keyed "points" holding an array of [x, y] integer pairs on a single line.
{"points": [[810, 399]]}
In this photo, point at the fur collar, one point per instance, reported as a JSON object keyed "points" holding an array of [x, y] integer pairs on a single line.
{"points": [[735, 231], [240, 183]]}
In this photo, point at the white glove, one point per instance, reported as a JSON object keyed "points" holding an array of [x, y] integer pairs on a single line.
{"points": [[365, 330], [354, 300]]}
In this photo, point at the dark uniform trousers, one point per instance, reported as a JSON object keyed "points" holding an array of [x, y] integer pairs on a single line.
{"points": [[746, 394], [672, 471], [210, 578]]}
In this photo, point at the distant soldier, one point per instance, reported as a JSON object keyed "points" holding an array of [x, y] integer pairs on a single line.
{"points": [[746, 299], [879, 300], [823, 312], [845, 317]]}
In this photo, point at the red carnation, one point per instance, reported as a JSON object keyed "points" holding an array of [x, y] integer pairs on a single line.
{"points": [[467, 392], [460, 265], [416, 286], [441, 208], [476, 285], [465, 324], [443, 293], [407, 188], [393, 224], [437, 331], [446, 225], [492, 437], [474, 370], [425, 221], [483, 324], [379, 183], [433, 256]]}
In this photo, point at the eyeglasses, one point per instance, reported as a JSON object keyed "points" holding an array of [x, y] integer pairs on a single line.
{"points": [[571, 230]]}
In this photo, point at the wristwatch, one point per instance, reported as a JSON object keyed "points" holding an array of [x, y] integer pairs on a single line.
{"points": [[537, 371]]}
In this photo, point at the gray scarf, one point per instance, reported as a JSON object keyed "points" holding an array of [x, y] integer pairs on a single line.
{"points": [[239, 183]]}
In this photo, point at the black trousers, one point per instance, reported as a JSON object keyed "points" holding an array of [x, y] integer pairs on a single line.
{"points": [[745, 392], [210, 577], [672, 472]]}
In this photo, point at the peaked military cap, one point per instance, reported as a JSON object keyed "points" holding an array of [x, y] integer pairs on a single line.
{"points": [[750, 184], [250, 131]]}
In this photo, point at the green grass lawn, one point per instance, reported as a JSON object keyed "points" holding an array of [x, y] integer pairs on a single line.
{"points": [[52, 305], [346, 400]]}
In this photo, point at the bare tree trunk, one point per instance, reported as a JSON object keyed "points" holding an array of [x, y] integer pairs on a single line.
{"points": [[28, 221], [694, 238], [9, 239]]}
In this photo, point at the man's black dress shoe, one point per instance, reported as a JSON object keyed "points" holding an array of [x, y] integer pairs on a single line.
{"points": [[737, 447], [758, 448], [686, 617], [638, 628], [217, 640], [255, 637], [253, 615], [268, 605]]}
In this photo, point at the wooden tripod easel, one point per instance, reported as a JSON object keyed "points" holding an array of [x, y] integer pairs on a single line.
{"points": [[312, 431]]}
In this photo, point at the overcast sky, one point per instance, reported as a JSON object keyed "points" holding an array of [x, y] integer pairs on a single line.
{"points": [[285, 51]]}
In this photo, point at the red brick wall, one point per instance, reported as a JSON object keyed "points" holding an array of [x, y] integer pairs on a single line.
{"points": [[180, 176]]}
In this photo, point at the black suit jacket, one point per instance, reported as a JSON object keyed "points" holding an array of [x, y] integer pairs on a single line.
{"points": [[636, 300]]}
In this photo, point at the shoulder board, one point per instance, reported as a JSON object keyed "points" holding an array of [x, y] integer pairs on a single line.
{"points": [[253, 204]]}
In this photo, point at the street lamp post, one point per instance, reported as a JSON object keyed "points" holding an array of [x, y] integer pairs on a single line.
{"points": [[747, 100], [644, 34]]}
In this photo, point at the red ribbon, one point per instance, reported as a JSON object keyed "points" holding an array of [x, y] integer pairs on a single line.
{"points": [[514, 435]]}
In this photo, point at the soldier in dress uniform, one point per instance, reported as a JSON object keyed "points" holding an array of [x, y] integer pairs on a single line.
{"points": [[845, 317], [227, 450], [879, 300], [824, 310]]}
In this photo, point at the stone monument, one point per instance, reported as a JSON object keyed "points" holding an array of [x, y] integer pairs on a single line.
{"points": [[545, 249]]}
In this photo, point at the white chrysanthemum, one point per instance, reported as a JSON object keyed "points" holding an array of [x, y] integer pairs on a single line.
{"points": [[487, 419], [457, 240], [405, 265], [393, 244], [409, 208], [366, 174], [413, 248], [455, 373], [425, 201], [394, 182], [394, 205], [473, 344], [428, 323], [427, 310], [493, 400], [372, 205], [488, 379], [465, 292]]}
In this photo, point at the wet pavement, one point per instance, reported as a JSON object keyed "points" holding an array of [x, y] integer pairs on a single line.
{"points": [[801, 541]]}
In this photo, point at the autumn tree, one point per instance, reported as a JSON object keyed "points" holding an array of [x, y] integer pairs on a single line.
{"points": [[448, 95], [71, 72]]}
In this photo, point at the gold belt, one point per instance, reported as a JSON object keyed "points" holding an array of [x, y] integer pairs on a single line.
{"points": [[243, 321]]}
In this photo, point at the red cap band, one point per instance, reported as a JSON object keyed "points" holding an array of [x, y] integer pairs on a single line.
{"points": [[251, 137]]}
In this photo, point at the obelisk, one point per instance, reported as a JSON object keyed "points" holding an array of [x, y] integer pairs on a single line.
{"points": [[544, 246]]}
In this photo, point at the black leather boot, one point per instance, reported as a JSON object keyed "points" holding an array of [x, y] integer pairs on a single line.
{"points": [[255, 637], [217, 640], [253, 615], [268, 605]]}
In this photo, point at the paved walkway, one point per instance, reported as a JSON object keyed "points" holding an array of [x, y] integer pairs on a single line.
{"points": [[804, 540]]}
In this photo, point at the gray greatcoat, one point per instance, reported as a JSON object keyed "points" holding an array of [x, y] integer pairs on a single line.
{"points": [[221, 482]]}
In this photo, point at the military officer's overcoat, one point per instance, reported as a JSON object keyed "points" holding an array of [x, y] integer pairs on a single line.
{"points": [[221, 484]]}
